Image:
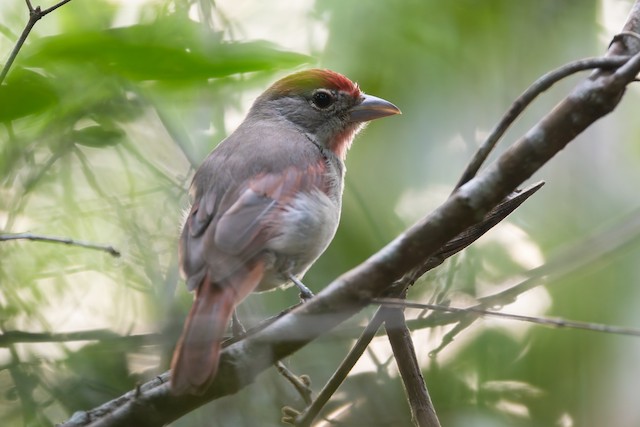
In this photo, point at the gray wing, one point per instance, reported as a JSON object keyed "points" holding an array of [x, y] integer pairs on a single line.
{"points": [[223, 234]]}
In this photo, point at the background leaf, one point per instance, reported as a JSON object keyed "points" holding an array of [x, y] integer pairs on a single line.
{"points": [[25, 92]]}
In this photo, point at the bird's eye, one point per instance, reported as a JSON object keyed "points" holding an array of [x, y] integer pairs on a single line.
{"points": [[322, 99]]}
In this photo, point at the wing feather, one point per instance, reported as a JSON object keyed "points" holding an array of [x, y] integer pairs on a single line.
{"points": [[220, 239]]}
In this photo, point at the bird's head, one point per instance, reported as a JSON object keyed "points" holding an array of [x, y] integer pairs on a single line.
{"points": [[328, 107]]}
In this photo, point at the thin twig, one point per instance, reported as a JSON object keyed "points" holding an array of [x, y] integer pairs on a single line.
{"points": [[18, 46], [54, 7], [559, 323], [9, 338], [300, 383], [579, 255], [310, 413], [240, 335], [35, 14], [423, 413], [523, 101], [64, 240]]}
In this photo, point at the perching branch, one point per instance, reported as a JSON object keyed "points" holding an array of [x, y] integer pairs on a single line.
{"points": [[456, 244], [152, 404], [452, 247], [35, 14]]}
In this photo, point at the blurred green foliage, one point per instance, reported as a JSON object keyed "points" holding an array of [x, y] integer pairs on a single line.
{"points": [[110, 106]]}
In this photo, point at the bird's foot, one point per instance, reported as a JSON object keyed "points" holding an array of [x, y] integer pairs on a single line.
{"points": [[305, 293]]}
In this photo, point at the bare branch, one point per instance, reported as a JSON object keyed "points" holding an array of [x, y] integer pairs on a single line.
{"points": [[54, 7], [35, 14], [474, 311], [306, 418], [9, 338], [452, 247], [423, 413], [63, 240], [473, 233], [577, 256], [524, 100]]}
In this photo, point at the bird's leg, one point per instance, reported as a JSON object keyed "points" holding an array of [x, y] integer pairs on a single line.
{"points": [[305, 293], [236, 327]]}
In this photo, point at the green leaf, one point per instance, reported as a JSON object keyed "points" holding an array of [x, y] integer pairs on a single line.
{"points": [[165, 50], [25, 92], [97, 136]]}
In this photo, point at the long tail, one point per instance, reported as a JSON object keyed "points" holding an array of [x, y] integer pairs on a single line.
{"points": [[195, 359]]}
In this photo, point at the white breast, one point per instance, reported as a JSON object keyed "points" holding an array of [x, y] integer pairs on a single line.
{"points": [[305, 227]]}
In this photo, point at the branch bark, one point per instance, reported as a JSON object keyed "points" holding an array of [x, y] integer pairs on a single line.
{"points": [[422, 412], [63, 240], [452, 247], [153, 405], [35, 14]]}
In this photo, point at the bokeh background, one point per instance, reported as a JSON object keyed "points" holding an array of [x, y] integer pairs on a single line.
{"points": [[111, 105]]}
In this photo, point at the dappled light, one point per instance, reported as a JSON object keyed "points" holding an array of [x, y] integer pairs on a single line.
{"points": [[110, 107]]}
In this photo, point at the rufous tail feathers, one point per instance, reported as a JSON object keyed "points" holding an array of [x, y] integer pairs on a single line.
{"points": [[195, 359]]}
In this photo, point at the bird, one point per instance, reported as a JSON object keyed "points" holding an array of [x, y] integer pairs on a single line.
{"points": [[266, 204]]}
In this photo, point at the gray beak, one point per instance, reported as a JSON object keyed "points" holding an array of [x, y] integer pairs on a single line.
{"points": [[371, 108]]}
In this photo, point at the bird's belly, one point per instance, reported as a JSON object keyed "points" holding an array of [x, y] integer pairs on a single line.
{"points": [[304, 229]]}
